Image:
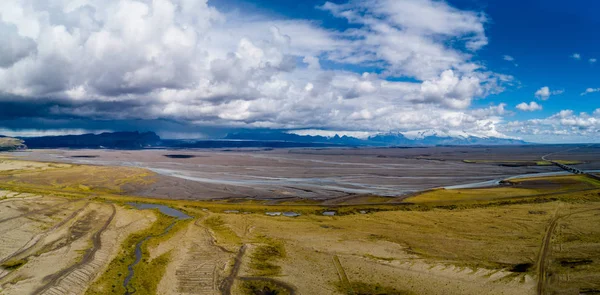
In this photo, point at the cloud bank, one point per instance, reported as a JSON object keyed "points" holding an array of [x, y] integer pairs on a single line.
{"points": [[565, 124], [400, 66]]}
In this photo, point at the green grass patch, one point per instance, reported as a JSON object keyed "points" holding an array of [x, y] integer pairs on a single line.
{"points": [[224, 234], [263, 258], [256, 287], [360, 288], [147, 273], [519, 163], [13, 264]]}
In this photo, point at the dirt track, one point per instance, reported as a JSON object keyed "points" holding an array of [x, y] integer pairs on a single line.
{"points": [[35, 240], [227, 283], [44, 209], [58, 277], [545, 250], [342, 274]]}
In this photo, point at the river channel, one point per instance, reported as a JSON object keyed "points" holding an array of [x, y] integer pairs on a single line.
{"points": [[138, 247]]}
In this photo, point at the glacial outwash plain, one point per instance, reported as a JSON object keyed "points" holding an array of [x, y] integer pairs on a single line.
{"points": [[431, 220]]}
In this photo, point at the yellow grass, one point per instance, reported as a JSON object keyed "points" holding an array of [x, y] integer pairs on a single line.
{"points": [[523, 162], [482, 194], [415, 248], [521, 188]]}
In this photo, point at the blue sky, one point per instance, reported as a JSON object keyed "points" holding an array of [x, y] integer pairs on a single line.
{"points": [[190, 69], [541, 36]]}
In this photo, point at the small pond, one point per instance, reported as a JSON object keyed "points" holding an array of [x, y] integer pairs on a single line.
{"points": [[166, 210]]}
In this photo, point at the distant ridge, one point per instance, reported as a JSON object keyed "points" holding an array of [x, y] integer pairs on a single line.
{"points": [[250, 139], [425, 138], [114, 140]]}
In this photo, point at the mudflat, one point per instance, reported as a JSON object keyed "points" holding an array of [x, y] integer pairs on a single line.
{"points": [[320, 173]]}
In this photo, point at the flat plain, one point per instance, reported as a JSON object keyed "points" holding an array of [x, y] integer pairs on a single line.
{"points": [[320, 174], [69, 227]]}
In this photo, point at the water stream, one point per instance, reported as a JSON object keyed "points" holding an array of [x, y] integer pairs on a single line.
{"points": [[138, 247]]}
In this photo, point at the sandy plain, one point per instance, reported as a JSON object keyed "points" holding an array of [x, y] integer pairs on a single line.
{"points": [[318, 173], [70, 230]]}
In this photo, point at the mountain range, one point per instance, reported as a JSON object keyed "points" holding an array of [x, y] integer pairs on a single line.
{"points": [[417, 138], [109, 140], [252, 138]]}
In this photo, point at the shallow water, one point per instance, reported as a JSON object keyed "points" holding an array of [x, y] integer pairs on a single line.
{"points": [[166, 210]]}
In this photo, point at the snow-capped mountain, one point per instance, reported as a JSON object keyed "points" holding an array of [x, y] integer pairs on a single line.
{"points": [[427, 137], [421, 134], [439, 137]]}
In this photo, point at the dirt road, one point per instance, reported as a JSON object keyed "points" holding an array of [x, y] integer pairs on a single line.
{"points": [[542, 264], [87, 257]]}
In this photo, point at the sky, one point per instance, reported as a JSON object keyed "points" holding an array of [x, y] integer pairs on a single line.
{"points": [[199, 69]]}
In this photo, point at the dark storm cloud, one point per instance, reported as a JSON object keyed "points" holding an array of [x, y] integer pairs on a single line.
{"points": [[51, 108]]}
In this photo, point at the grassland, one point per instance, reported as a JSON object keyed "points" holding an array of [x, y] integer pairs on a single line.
{"points": [[263, 260], [524, 188], [10, 144], [574, 253], [471, 241], [519, 163], [77, 178], [149, 272]]}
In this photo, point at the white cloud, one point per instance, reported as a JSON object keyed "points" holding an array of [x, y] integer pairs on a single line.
{"points": [[410, 37], [593, 60], [544, 93], [510, 59], [13, 47], [312, 62], [184, 60], [590, 90], [576, 56], [532, 106], [451, 91], [565, 125]]}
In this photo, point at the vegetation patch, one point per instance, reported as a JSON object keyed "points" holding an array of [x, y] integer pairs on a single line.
{"points": [[379, 258], [480, 194], [572, 263], [262, 287], [360, 288], [521, 267], [147, 273], [556, 183], [223, 233], [521, 163], [529, 190], [13, 264], [262, 260], [78, 178]]}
